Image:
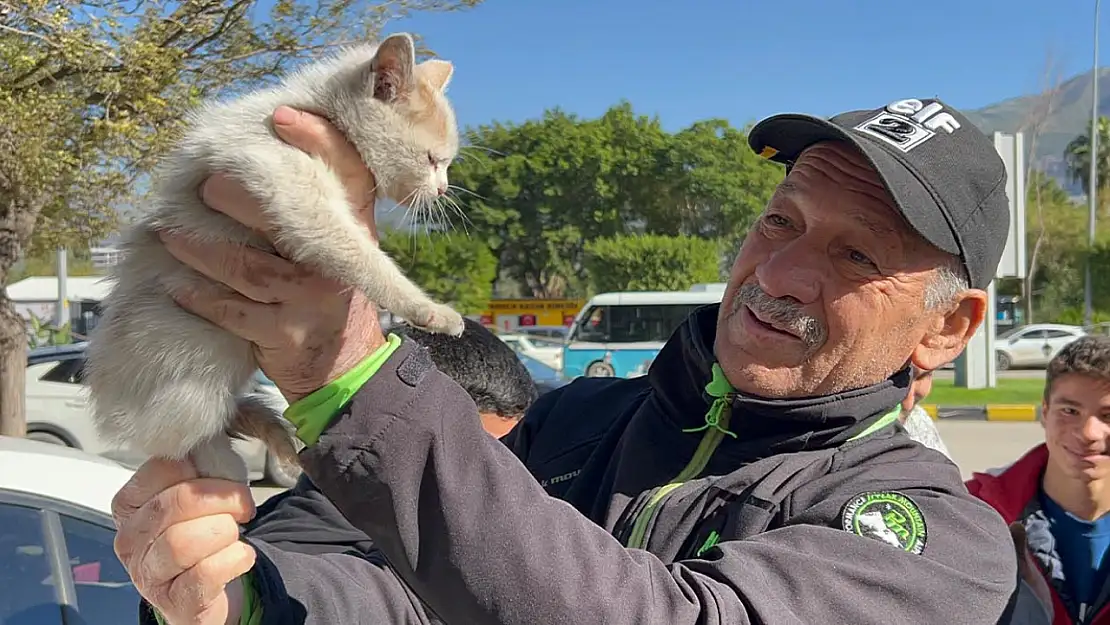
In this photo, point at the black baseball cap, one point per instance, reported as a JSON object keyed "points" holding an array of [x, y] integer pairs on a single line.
{"points": [[944, 174]]}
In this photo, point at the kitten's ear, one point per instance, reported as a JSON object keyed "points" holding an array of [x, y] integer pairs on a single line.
{"points": [[392, 66], [437, 72]]}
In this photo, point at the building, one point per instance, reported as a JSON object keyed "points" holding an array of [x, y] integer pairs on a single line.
{"points": [[38, 296]]}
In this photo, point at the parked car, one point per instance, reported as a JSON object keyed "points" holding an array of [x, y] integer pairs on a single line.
{"points": [[546, 351], [57, 561], [545, 377], [1033, 345], [58, 412]]}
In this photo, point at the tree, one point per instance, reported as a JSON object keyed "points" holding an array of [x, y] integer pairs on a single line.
{"points": [[114, 80], [454, 269], [1036, 229], [539, 191], [1077, 156], [718, 185], [650, 262], [1056, 231]]}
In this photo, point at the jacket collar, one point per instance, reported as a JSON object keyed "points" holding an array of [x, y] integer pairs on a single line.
{"points": [[683, 367], [1011, 489]]}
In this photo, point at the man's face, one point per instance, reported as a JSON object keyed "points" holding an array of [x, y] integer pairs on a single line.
{"points": [[1077, 426], [828, 291]]}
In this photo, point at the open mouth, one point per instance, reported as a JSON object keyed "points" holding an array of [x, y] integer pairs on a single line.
{"points": [[766, 326]]}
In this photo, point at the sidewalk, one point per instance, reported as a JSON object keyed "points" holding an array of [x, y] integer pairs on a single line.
{"points": [[989, 412]]}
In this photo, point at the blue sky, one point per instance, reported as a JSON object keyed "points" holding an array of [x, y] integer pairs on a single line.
{"points": [[746, 59]]}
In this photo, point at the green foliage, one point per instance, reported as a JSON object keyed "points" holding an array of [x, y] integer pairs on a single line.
{"points": [[47, 265], [42, 333], [1055, 247], [650, 262], [115, 80], [454, 269], [538, 192]]}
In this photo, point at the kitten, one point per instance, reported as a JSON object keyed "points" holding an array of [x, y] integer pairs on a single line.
{"points": [[174, 385]]}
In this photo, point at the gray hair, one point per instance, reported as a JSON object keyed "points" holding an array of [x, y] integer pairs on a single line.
{"points": [[947, 283]]}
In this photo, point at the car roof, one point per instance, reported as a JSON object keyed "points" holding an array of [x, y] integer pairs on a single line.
{"points": [[59, 472]]}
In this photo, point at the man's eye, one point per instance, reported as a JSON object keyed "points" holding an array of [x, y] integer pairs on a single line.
{"points": [[859, 257], [778, 220]]}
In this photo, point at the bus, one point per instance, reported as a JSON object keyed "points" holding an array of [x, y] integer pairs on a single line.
{"points": [[619, 334]]}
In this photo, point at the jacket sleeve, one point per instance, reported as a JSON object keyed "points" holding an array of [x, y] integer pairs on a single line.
{"points": [[469, 530], [294, 588]]}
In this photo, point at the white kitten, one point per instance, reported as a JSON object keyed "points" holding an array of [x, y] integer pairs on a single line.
{"points": [[172, 384]]}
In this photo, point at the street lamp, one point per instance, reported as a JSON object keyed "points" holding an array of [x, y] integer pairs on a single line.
{"points": [[1092, 193]]}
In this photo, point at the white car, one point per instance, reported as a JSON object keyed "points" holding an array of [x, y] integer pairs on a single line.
{"points": [[547, 352], [1033, 345], [58, 412], [57, 561]]}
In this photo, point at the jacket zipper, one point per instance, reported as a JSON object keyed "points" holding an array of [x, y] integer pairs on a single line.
{"points": [[712, 438], [709, 443]]}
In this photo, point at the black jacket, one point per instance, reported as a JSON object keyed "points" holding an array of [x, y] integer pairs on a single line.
{"points": [[536, 529]]}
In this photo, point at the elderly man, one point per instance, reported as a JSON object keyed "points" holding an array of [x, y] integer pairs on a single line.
{"points": [[757, 474]]}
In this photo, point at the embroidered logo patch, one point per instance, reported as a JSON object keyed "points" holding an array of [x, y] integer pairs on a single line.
{"points": [[906, 124], [887, 516]]}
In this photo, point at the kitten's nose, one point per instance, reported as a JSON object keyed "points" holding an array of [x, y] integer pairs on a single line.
{"points": [[442, 190]]}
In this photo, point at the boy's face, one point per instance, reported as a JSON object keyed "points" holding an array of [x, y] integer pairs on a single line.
{"points": [[1077, 426]]}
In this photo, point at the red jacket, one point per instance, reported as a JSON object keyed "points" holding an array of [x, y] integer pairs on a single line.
{"points": [[1013, 492]]}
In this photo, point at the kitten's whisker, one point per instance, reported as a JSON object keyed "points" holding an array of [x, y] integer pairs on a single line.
{"points": [[454, 206], [485, 149], [458, 188]]}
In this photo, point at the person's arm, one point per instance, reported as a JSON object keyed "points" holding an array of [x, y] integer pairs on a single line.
{"points": [[469, 530], [290, 588]]}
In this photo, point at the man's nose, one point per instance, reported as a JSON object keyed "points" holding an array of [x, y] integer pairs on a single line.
{"points": [[1093, 430], [795, 270]]}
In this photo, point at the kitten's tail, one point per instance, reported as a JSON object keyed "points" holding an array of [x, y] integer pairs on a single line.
{"points": [[255, 417]]}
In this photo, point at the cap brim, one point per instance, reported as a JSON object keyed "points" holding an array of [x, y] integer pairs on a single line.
{"points": [[782, 138]]}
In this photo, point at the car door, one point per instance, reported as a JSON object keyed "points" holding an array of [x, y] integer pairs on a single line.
{"points": [[58, 565], [1056, 340], [1027, 347], [56, 386], [57, 396]]}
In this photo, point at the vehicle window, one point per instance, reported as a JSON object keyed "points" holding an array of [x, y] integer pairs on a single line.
{"points": [[26, 586], [633, 324], [105, 594], [1057, 334], [1030, 335], [66, 372]]}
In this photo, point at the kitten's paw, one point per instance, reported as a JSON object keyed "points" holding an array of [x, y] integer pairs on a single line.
{"points": [[439, 319]]}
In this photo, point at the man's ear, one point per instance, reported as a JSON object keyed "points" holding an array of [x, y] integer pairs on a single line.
{"points": [[949, 334]]}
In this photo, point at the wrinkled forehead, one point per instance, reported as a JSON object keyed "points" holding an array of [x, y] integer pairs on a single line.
{"points": [[838, 174]]}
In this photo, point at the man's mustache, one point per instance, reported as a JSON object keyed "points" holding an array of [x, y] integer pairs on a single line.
{"points": [[784, 314]]}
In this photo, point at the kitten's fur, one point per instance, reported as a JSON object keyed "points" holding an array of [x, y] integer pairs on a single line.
{"points": [[172, 384]]}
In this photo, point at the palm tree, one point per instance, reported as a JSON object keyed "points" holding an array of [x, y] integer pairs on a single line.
{"points": [[1078, 158]]}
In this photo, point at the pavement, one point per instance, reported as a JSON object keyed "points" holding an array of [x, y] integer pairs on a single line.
{"points": [[975, 446]]}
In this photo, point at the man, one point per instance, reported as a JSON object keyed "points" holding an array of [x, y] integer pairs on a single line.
{"points": [[1060, 490], [302, 519], [755, 475], [919, 425]]}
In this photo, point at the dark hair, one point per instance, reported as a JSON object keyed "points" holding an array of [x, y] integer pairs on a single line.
{"points": [[484, 365], [1089, 356]]}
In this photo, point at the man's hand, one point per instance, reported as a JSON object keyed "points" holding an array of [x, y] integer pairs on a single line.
{"points": [[178, 537], [307, 330]]}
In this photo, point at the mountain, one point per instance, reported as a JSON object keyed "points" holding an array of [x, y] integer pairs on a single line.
{"points": [[1070, 116]]}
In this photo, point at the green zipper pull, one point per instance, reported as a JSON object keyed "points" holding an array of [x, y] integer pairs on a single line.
{"points": [[720, 389]]}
